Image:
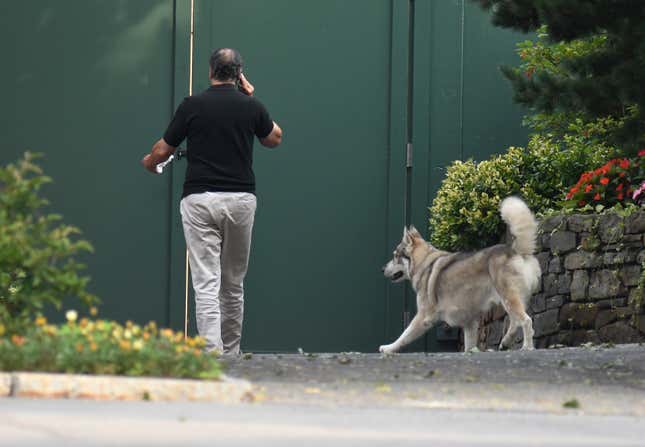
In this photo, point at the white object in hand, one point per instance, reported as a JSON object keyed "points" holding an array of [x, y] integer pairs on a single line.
{"points": [[163, 164]]}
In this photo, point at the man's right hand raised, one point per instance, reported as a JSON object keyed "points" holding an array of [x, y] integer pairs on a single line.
{"points": [[245, 86]]}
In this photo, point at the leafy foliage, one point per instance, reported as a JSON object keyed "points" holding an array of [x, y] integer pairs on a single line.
{"points": [[588, 64], [607, 185], [37, 252], [105, 347], [465, 212]]}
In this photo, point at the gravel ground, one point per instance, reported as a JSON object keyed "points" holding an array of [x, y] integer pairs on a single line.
{"points": [[593, 379]]}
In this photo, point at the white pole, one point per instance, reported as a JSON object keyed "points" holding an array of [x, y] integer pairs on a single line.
{"points": [[190, 92]]}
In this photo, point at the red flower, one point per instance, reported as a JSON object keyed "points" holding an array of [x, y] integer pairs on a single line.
{"points": [[641, 152], [604, 180], [620, 196], [588, 188], [597, 196], [582, 203], [619, 187], [624, 163]]}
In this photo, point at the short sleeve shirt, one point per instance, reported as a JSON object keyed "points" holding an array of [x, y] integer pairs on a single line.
{"points": [[220, 125]]}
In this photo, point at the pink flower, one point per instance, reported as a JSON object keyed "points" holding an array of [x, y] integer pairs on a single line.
{"points": [[639, 191]]}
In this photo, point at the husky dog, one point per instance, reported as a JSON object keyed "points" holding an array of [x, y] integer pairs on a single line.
{"points": [[458, 287]]}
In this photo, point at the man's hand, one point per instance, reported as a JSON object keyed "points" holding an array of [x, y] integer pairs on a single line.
{"points": [[149, 164], [245, 86], [160, 153]]}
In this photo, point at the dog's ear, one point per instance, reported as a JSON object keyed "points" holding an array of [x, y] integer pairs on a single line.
{"points": [[414, 233], [406, 236]]}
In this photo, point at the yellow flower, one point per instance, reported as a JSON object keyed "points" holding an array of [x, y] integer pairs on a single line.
{"points": [[83, 323], [137, 345], [79, 347], [167, 333], [146, 336], [197, 352], [94, 311], [136, 330], [129, 324], [93, 347], [2, 330], [40, 321], [71, 315], [127, 334], [125, 345], [200, 342]]}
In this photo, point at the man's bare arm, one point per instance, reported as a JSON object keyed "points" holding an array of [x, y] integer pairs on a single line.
{"points": [[274, 138], [159, 153]]}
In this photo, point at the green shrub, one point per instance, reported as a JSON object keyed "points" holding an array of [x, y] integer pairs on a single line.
{"points": [[105, 347], [465, 212], [37, 252]]}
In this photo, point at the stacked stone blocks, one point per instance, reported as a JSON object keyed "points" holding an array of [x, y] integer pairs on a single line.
{"points": [[591, 268]]}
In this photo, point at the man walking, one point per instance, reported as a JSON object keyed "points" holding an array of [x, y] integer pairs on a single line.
{"points": [[218, 202]]}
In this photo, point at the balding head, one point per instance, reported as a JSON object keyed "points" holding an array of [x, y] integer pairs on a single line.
{"points": [[226, 64]]}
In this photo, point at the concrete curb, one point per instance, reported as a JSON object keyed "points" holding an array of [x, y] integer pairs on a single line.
{"points": [[77, 386]]}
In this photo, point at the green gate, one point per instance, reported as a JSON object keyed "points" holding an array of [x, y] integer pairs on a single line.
{"points": [[321, 228], [375, 98]]}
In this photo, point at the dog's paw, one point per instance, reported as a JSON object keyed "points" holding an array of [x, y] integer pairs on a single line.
{"points": [[386, 349]]}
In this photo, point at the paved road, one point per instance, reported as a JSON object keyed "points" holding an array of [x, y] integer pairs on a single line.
{"points": [[26, 423], [603, 380], [480, 399]]}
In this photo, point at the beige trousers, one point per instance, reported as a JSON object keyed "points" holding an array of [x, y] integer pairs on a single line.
{"points": [[217, 228]]}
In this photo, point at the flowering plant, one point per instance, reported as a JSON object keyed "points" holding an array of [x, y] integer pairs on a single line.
{"points": [[606, 185], [105, 347]]}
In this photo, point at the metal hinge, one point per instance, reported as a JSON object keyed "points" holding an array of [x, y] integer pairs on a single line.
{"points": [[408, 155]]}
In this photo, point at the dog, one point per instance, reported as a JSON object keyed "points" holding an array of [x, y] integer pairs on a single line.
{"points": [[458, 287]]}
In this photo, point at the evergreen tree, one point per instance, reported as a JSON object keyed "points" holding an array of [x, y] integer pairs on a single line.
{"points": [[608, 82]]}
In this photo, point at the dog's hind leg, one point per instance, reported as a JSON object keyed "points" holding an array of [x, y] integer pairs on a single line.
{"points": [[513, 303], [510, 332], [470, 336], [514, 306]]}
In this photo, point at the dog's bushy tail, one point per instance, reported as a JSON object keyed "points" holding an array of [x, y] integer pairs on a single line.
{"points": [[521, 223]]}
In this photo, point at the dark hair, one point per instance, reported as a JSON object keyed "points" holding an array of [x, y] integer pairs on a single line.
{"points": [[226, 64]]}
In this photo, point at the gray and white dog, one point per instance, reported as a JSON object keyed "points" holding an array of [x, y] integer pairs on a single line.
{"points": [[458, 287]]}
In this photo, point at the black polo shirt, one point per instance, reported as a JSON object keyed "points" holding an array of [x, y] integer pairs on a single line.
{"points": [[220, 124]]}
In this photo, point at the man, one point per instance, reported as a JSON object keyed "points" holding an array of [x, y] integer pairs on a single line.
{"points": [[218, 202]]}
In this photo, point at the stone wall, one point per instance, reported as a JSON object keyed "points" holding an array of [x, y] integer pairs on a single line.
{"points": [[591, 267]]}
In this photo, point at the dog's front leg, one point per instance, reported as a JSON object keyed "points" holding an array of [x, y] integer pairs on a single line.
{"points": [[415, 329]]}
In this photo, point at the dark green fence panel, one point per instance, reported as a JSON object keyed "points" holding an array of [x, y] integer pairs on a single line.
{"points": [[462, 106], [470, 113], [323, 70], [88, 83]]}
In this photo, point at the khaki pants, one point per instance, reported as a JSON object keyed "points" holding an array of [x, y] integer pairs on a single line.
{"points": [[217, 228]]}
